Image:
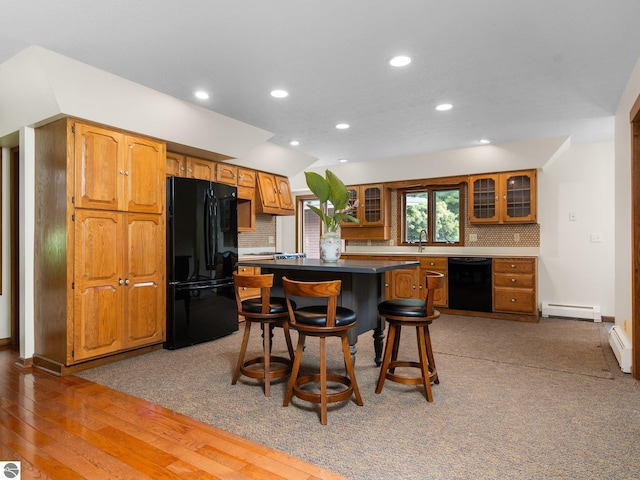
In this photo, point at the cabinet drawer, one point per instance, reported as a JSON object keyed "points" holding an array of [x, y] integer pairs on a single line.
{"points": [[513, 280], [514, 300], [437, 264], [514, 265], [249, 292]]}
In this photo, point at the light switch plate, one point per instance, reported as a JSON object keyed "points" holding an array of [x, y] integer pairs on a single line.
{"points": [[596, 238]]}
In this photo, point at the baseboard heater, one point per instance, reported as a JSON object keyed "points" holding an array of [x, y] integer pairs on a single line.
{"points": [[589, 312], [621, 347]]}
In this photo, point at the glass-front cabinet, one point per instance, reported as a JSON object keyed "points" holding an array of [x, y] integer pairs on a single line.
{"points": [[371, 207], [508, 197]]}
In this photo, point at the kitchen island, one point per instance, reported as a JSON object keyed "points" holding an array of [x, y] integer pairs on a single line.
{"points": [[363, 287]]}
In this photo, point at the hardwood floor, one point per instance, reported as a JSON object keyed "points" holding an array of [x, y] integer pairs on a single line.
{"points": [[71, 428]]}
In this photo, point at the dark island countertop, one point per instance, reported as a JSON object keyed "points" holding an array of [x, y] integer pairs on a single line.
{"points": [[343, 266]]}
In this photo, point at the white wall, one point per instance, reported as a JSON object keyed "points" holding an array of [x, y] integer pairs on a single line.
{"points": [[572, 269], [5, 296]]}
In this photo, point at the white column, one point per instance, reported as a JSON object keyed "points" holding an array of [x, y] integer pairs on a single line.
{"points": [[26, 241], [5, 295]]}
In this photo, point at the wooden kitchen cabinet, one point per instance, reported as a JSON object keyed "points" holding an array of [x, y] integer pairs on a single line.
{"points": [[99, 263], [249, 292], [119, 294], [508, 197], [373, 212], [274, 195], [179, 165], [514, 286], [117, 171], [410, 282], [245, 180]]}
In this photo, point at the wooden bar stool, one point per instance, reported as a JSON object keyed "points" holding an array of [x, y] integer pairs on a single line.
{"points": [[269, 312], [410, 312], [322, 321]]}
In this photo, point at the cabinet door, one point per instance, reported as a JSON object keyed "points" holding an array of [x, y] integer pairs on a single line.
{"points": [[226, 173], [144, 175], [440, 265], [372, 205], [246, 178], [144, 279], [285, 198], [201, 169], [176, 165], [404, 283], [268, 190], [98, 293], [519, 197], [99, 168], [483, 195], [354, 199]]}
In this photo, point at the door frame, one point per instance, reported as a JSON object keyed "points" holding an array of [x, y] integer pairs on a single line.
{"points": [[635, 250]]}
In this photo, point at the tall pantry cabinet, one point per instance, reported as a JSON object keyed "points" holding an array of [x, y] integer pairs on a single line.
{"points": [[99, 244]]}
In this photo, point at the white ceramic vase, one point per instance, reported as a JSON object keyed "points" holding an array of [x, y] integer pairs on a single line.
{"points": [[330, 246]]}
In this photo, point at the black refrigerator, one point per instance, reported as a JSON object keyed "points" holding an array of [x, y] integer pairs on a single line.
{"points": [[202, 252]]}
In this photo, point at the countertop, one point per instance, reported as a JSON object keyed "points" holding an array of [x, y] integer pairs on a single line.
{"points": [[314, 264]]}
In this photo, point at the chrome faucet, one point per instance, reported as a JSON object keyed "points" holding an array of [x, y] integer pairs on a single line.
{"points": [[426, 239]]}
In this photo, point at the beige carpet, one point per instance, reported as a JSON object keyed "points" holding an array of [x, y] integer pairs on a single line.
{"points": [[516, 401]]}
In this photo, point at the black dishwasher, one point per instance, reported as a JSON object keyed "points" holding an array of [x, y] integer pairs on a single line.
{"points": [[470, 284]]}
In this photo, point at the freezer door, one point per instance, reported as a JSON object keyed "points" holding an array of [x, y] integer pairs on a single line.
{"points": [[198, 313]]}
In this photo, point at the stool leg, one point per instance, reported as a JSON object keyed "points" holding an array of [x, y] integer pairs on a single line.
{"points": [[294, 369], [424, 363], [323, 380], [243, 351], [430, 356], [267, 333], [350, 370], [387, 356], [396, 346], [287, 337]]}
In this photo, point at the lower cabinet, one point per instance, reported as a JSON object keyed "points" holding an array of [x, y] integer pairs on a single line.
{"points": [[514, 286], [119, 294], [249, 292], [410, 282]]}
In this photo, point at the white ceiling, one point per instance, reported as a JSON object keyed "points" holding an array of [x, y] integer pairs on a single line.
{"points": [[513, 70]]}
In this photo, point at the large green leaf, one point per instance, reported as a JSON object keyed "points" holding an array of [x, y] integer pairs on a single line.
{"points": [[318, 186]]}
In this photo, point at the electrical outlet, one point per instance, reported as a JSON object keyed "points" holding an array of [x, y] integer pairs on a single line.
{"points": [[271, 240], [473, 237], [516, 237], [596, 238], [572, 216]]}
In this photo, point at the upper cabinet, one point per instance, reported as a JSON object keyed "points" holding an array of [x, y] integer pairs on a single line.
{"points": [[274, 195], [245, 180], [508, 197], [373, 212], [179, 165], [117, 171]]}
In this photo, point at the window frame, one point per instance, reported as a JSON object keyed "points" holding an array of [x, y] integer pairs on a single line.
{"points": [[431, 189]]}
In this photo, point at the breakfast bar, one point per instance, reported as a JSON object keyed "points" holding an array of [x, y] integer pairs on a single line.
{"points": [[363, 287]]}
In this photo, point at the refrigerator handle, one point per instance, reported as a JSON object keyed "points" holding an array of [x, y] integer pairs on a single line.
{"points": [[210, 228]]}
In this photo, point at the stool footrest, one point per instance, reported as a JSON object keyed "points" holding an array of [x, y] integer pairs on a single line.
{"points": [[315, 397], [278, 372], [405, 379]]}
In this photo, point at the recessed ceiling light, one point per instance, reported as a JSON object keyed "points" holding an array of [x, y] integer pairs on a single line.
{"points": [[201, 94], [279, 93], [343, 160], [294, 143], [484, 141], [342, 126], [444, 107], [399, 61]]}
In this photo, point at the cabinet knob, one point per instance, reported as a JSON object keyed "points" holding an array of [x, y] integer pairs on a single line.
{"points": [[414, 287], [189, 170], [513, 300], [120, 281], [126, 281], [432, 264], [513, 280], [182, 169], [513, 266], [121, 172], [127, 173]]}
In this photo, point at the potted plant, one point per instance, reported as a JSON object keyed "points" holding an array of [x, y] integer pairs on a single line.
{"points": [[330, 189]]}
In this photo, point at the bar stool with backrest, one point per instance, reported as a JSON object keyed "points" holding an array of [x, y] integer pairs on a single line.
{"points": [[323, 319], [411, 312], [268, 312]]}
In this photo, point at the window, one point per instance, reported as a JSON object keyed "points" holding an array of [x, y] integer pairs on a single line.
{"points": [[435, 210]]}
